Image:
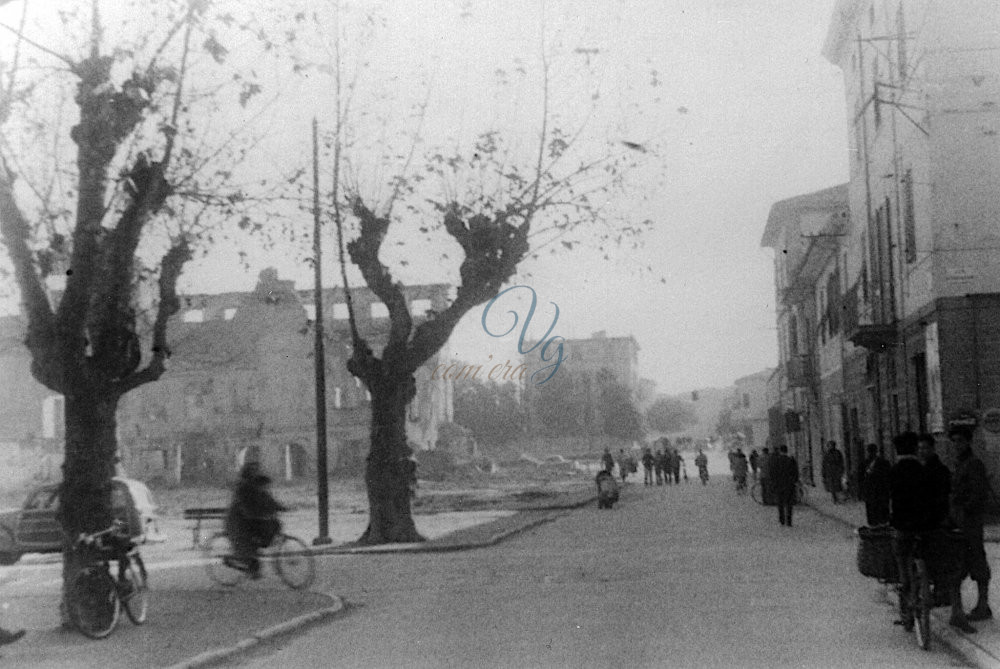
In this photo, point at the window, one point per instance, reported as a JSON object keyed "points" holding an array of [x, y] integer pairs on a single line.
{"points": [[419, 308], [229, 313], [310, 311], [379, 310], [337, 397], [194, 316], [340, 311], [909, 218]]}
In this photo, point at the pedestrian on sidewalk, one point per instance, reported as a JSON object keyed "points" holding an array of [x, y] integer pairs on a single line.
{"points": [[784, 473], [970, 489], [875, 487], [658, 463], [623, 466], [675, 463], [668, 464], [754, 462], [833, 471]]}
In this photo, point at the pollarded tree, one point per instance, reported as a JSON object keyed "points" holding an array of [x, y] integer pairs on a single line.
{"points": [[128, 186], [499, 207]]}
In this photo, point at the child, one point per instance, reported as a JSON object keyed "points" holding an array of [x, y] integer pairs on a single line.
{"points": [[607, 489]]}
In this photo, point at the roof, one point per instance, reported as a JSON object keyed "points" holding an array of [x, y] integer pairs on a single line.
{"points": [[784, 212]]}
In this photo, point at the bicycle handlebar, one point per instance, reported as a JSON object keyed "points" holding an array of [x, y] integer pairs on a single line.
{"points": [[117, 527]]}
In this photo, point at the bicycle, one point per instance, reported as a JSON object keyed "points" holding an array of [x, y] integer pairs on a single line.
{"points": [[915, 606], [96, 597], [291, 558]]}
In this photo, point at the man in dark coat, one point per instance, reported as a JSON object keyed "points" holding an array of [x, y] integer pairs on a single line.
{"points": [[969, 492], [912, 514], [833, 471], [875, 487], [784, 476]]}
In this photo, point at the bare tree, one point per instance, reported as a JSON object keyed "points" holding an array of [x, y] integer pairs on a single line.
{"points": [[499, 208], [146, 189]]}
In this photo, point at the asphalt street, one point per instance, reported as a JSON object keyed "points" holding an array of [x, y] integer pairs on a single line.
{"points": [[673, 576]]}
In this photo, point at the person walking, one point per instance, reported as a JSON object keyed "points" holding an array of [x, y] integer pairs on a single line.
{"points": [[658, 463], [969, 492], [701, 462], [833, 471], [623, 466], [754, 462], [740, 470], [647, 466], [875, 487], [784, 477], [675, 462], [765, 476]]}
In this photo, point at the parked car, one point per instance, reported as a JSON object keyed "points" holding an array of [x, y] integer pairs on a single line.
{"points": [[34, 528]]}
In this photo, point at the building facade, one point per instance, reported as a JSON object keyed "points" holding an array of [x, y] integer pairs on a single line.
{"points": [[911, 281], [241, 384]]}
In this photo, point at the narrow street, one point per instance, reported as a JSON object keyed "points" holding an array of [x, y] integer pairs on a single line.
{"points": [[679, 576]]}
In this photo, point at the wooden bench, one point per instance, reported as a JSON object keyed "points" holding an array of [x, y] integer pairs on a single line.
{"points": [[198, 515]]}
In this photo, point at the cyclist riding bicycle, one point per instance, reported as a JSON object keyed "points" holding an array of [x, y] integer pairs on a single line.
{"points": [[912, 516], [252, 520]]}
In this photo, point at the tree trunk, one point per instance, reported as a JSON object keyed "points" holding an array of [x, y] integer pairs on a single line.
{"points": [[89, 465], [388, 467]]}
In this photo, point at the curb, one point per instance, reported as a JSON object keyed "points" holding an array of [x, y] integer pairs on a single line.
{"points": [[960, 643], [216, 655]]}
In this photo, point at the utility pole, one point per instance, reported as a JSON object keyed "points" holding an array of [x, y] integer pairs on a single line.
{"points": [[319, 359]]}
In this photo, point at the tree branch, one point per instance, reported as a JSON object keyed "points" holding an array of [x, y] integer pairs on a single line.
{"points": [[364, 252], [170, 270]]}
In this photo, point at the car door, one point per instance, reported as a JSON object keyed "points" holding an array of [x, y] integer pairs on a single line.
{"points": [[37, 528]]}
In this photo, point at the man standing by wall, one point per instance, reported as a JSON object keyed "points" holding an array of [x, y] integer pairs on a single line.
{"points": [[969, 492]]}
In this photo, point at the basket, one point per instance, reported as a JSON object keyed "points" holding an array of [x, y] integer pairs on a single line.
{"points": [[875, 555]]}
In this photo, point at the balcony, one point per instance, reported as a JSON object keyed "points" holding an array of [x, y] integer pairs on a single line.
{"points": [[860, 328], [874, 336]]}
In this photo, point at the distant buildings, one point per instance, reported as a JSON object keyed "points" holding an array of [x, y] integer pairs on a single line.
{"points": [[749, 407], [241, 384], [588, 363], [889, 286]]}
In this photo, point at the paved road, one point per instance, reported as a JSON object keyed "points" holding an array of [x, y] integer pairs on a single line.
{"points": [[684, 576]]}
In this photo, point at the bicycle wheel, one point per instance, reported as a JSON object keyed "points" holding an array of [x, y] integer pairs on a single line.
{"points": [[294, 563], [94, 604], [921, 603], [219, 552], [135, 590], [757, 493]]}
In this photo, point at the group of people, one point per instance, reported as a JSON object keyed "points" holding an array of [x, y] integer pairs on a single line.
{"points": [[918, 495], [664, 466]]}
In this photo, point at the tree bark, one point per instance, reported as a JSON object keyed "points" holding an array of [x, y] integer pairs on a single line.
{"points": [[89, 465], [388, 467]]}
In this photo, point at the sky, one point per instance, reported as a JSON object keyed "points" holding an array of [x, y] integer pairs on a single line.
{"points": [[733, 99]]}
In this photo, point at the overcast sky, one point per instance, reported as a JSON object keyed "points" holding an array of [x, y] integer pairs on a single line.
{"points": [[734, 95]]}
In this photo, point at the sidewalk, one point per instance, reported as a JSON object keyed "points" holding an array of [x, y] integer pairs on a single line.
{"points": [[982, 649], [193, 624]]}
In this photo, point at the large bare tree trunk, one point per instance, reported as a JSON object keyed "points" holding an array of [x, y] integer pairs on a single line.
{"points": [[85, 492], [387, 469]]}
